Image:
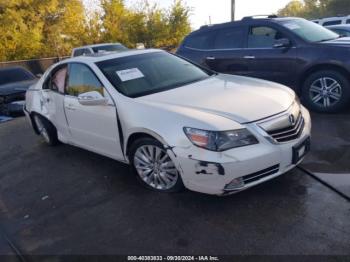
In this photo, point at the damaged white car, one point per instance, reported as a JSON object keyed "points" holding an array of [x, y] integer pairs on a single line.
{"points": [[177, 124]]}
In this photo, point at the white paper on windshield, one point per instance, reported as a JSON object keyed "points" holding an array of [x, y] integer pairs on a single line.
{"points": [[292, 26], [129, 74]]}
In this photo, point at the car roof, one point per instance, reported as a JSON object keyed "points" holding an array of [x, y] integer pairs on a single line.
{"points": [[245, 20], [96, 45], [94, 58]]}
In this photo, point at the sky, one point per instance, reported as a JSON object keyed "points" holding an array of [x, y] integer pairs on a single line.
{"points": [[218, 10]]}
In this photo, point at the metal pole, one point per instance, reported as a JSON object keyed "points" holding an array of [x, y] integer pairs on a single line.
{"points": [[233, 7]]}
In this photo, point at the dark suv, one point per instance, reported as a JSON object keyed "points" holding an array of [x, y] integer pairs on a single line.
{"points": [[307, 57]]}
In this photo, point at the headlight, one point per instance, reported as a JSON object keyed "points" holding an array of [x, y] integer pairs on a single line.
{"points": [[220, 140]]}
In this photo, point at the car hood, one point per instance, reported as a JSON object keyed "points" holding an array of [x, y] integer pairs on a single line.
{"points": [[343, 41], [16, 87], [241, 99]]}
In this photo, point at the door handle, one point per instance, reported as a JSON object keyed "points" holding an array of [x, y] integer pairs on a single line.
{"points": [[210, 58], [249, 57]]}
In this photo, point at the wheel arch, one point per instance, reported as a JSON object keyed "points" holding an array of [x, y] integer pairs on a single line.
{"points": [[142, 133], [321, 67], [31, 115]]}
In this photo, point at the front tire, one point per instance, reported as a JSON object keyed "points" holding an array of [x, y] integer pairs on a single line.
{"points": [[46, 129], [326, 91], [153, 166]]}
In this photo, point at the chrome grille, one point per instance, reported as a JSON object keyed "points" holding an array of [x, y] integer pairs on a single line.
{"points": [[288, 133], [261, 174]]}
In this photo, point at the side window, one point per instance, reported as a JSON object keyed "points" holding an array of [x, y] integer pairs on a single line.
{"points": [[334, 22], [81, 80], [263, 37], [348, 21], [229, 38], [200, 41], [58, 80]]}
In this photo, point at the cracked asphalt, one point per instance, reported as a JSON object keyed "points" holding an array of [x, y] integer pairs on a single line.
{"points": [[65, 200]]}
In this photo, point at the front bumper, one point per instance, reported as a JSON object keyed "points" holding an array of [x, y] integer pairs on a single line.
{"points": [[213, 172]]}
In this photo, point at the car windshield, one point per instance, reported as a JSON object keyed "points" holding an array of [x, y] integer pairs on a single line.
{"points": [[109, 48], [12, 75], [145, 74], [309, 31]]}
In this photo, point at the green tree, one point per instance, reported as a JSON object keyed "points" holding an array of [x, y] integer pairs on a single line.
{"points": [[178, 22], [39, 28], [115, 21], [293, 8], [315, 8]]}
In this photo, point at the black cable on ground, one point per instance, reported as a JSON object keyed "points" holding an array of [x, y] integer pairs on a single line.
{"points": [[12, 245], [325, 184]]}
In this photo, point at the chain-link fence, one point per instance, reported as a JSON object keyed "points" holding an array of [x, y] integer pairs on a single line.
{"points": [[36, 66]]}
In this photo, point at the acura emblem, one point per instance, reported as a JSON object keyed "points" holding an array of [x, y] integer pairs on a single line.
{"points": [[292, 119]]}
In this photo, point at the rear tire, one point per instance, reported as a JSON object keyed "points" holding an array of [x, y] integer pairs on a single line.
{"points": [[46, 129], [326, 91], [153, 167]]}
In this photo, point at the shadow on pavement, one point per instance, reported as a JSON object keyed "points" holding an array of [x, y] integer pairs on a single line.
{"points": [[329, 159]]}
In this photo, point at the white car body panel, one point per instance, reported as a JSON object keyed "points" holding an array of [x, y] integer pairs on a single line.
{"points": [[220, 103]]}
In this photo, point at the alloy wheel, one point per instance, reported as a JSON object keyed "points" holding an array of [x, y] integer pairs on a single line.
{"points": [[155, 167], [325, 92]]}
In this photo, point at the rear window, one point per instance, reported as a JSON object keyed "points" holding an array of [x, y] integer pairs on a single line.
{"points": [[229, 38], [80, 52], [15, 75], [200, 41], [335, 22], [109, 48]]}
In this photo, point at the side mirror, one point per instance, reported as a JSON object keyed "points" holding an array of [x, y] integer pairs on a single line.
{"points": [[92, 98], [282, 43]]}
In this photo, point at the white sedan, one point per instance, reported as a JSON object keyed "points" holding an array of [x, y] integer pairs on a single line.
{"points": [[177, 124]]}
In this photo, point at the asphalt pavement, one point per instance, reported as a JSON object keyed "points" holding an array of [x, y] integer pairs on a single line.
{"points": [[65, 200]]}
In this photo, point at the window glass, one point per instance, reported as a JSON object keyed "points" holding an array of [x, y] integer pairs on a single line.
{"points": [[348, 21], [81, 80], [229, 38], [200, 41], [80, 52], [341, 32], [58, 80], [309, 31], [335, 22], [263, 37], [109, 48], [11, 75], [144, 74]]}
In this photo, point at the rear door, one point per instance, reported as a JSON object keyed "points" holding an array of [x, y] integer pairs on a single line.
{"points": [[228, 53], [92, 127], [265, 61], [196, 47]]}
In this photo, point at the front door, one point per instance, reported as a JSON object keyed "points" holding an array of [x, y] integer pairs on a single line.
{"points": [[267, 62], [92, 127]]}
